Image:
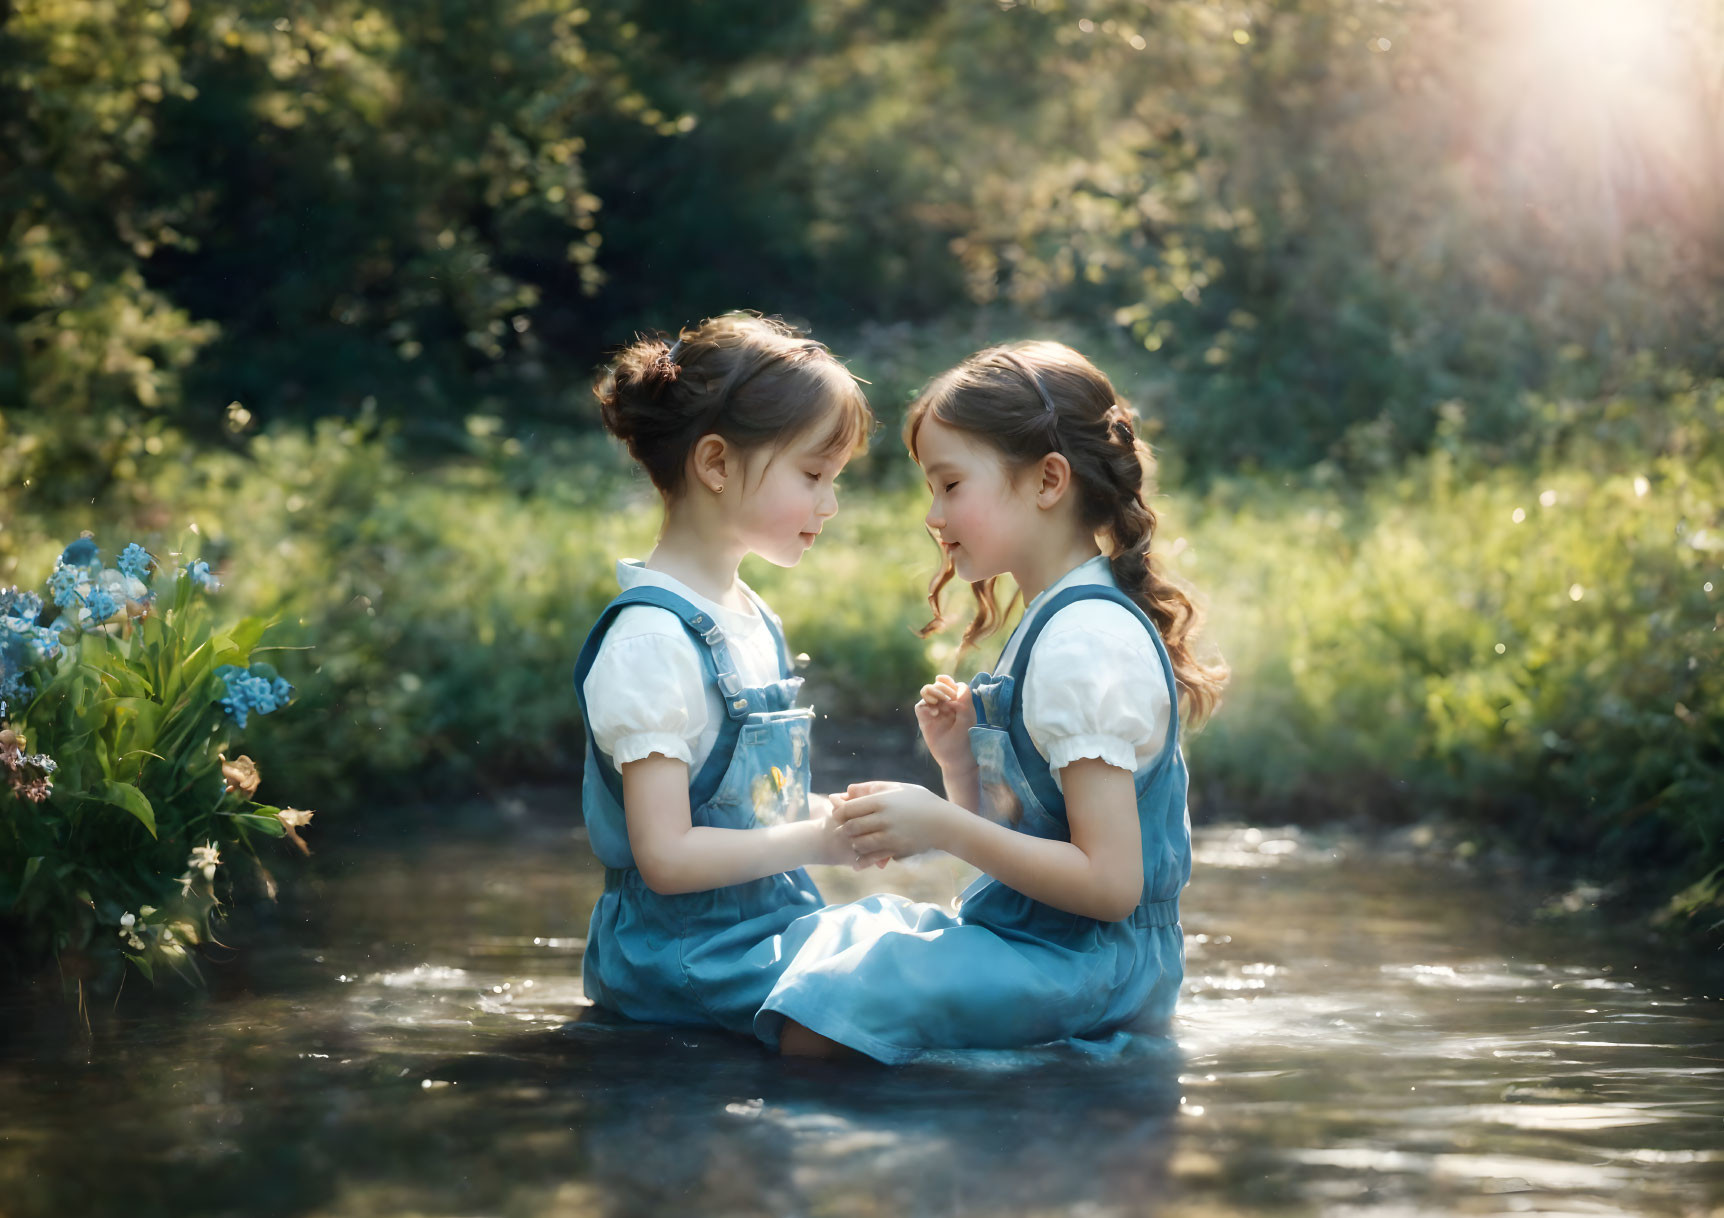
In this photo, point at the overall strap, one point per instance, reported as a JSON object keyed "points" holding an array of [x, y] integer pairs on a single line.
{"points": [[1035, 768], [717, 666], [786, 666]]}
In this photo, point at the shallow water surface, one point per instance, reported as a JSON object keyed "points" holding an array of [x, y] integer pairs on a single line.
{"points": [[1362, 1032]]}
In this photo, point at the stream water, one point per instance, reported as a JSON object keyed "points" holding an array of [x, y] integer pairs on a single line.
{"points": [[1363, 1031]]}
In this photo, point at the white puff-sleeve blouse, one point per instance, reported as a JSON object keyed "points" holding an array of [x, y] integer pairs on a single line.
{"points": [[647, 692], [1095, 687]]}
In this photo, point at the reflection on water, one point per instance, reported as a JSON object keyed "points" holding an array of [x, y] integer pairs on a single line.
{"points": [[1360, 1034]]}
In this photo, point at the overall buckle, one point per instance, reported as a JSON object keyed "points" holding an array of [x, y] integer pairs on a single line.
{"points": [[709, 630]]}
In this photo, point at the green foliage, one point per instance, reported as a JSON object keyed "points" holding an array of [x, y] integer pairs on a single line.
{"points": [[1320, 221], [119, 862], [1537, 648], [440, 610], [219, 202]]}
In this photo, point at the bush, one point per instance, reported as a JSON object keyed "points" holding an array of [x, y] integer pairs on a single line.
{"points": [[1535, 648], [112, 833]]}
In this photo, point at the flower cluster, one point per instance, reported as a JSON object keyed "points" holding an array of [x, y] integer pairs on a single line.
{"points": [[175, 929], [135, 562], [258, 690], [29, 775], [87, 595], [23, 644], [137, 932], [97, 594]]}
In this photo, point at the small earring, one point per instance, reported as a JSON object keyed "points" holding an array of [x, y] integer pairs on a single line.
{"points": [[719, 489]]}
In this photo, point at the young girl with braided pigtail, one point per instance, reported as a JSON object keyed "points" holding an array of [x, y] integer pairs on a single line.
{"points": [[1064, 780]]}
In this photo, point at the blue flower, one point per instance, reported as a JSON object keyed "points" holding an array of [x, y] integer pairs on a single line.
{"points": [[24, 606], [29, 643], [81, 553], [99, 606], [23, 644], [135, 561], [259, 690], [67, 585], [14, 661], [47, 640], [199, 573]]}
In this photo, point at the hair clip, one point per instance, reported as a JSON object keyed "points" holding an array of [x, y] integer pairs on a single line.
{"points": [[675, 350], [1029, 374], [1047, 399]]}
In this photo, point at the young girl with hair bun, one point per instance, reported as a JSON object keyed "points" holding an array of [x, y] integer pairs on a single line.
{"points": [[1064, 780], [696, 786]]}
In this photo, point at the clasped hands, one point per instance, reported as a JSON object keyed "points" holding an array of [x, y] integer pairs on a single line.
{"points": [[883, 821]]}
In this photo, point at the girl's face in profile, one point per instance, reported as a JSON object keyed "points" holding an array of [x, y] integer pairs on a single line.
{"points": [[790, 499], [981, 515]]}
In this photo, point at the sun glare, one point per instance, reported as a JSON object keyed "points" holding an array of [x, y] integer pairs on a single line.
{"points": [[1595, 102], [1601, 44]]}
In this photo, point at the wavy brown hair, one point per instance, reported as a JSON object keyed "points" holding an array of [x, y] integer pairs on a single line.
{"points": [[753, 380], [997, 396]]}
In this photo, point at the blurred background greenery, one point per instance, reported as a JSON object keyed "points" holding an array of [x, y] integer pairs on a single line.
{"points": [[1421, 302]]}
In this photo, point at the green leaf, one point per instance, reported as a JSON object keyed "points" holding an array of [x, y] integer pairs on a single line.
{"points": [[30, 869], [146, 715], [124, 795], [268, 825], [197, 665], [247, 633], [182, 594]]}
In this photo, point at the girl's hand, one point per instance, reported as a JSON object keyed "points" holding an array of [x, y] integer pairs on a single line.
{"points": [[833, 846], [945, 714], [893, 819], [857, 860]]}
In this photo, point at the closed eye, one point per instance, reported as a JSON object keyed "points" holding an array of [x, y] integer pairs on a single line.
{"points": [[949, 487]]}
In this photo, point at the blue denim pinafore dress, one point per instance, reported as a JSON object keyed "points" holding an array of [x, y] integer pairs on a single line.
{"points": [[895, 979], [700, 958]]}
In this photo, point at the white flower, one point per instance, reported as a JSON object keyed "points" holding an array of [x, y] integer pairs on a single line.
{"points": [[128, 931], [186, 882], [206, 859], [123, 586], [293, 820]]}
